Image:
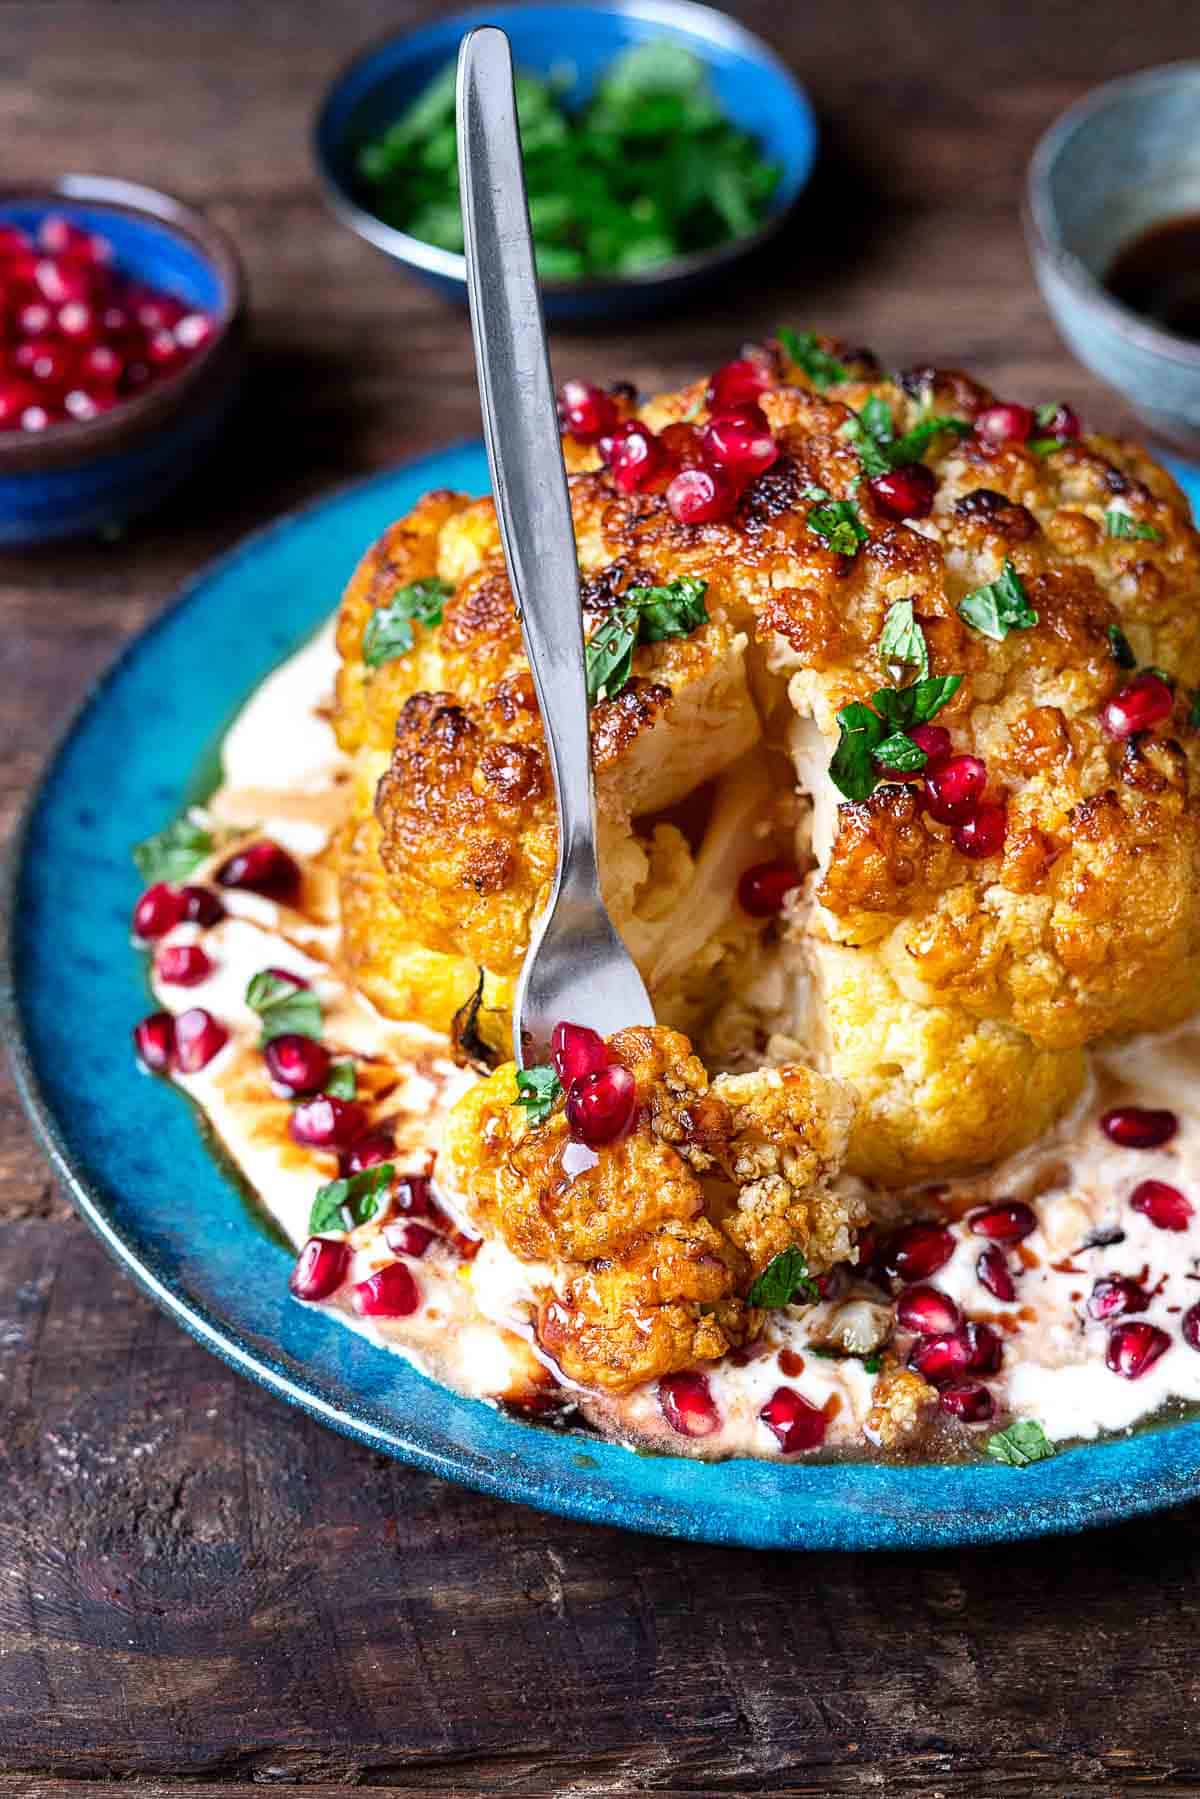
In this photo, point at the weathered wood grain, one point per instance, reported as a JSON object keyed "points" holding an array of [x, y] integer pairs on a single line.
{"points": [[199, 1586]]}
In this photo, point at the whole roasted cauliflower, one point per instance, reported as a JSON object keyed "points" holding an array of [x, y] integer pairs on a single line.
{"points": [[1032, 606]]}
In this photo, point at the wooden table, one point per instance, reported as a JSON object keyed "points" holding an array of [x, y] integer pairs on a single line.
{"points": [[198, 1585]]}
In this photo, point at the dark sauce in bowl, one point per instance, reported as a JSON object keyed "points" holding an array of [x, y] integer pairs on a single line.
{"points": [[1157, 274]]}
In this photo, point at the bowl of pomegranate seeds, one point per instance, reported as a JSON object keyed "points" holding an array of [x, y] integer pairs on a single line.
{"points": [[121, 347], [661, 143]]}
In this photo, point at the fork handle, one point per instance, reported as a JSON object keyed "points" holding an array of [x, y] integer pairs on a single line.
{"points": [[524, 447]]}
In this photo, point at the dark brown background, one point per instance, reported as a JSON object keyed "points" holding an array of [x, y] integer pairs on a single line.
{"points": [[197, 1585]]}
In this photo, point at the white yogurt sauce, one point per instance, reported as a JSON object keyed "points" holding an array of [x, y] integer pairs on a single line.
{"points": [[284, 777]]}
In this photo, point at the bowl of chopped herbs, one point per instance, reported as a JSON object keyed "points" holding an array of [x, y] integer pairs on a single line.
{"points": [[661, 140]]}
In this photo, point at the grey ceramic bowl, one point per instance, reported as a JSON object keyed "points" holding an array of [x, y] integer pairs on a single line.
{"points": [[1126, 157]]}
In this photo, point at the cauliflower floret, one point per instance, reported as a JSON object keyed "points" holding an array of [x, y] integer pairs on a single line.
{"points": [[651, 1243]]}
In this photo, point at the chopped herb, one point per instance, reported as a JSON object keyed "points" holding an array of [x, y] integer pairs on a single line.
{"points": [[340, 1205], [538, 1090], [913, 445], [871, 1364], [872, 433], [343, 1080], [643, 615], [1122, 649], [804, 350], [174, 853], [1020, 1444], [872, 452], [812, 492], [784, 1276], [1045, 414], [389, 631], [902, 640], [1121, 524], [1046, 446], [1000, 607], [1163, 675], [839, 525], [284, 1006], [866, 729], [900, 752]]}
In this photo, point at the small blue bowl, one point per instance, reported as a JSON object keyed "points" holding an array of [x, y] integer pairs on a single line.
{"points": [[95, 474], [1126, 157], [753, 87]]}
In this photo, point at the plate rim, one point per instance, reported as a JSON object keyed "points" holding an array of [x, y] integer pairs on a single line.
{"points": [[1017, 1515]]}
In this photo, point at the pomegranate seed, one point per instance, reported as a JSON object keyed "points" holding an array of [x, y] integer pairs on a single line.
{"points": [[633, 454], [13, 242], [320, 1268], [262, 867], [155, 311], [967, 1400], [1005, 424], [46, 361], [79, 404], [1139, 1127], [377, 1146], [118, 321], [161, 350], [59, 280], [327, 1122], [62, 237], [1115, 1295], [794, 1421], [201, 906], [934, 740], [1146, 702], [35, 319], [1132, 1348], [905, 492], [38, 417], [740, 442], [601, 1107], [16, 397], [575, 1051], [586, 411], [182, 965], [1063, 422], [193, 331], [762, 890], [391, 1292], [198, 1037], [687, 1405], [1164, 1206], [927, 1311], [982, 834], [154, 1041], [1189, 1324], [701, 496], [920, 1251], [985, 1350], [992, 1272], [408, 1239], [412, 1195], [77, 321], [100, 366], [737, 384], [954, 788], [1007, 1223], [941, 1358], [296, 1062], [158, 911]]}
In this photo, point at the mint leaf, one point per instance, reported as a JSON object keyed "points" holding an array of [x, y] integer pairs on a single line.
{"points": [[173, 854], [389, 630], [1020, 1444], [340, 1205], [538, 1089], [784, 1276], [852, 769], [802, 348], [284, 1006], [926, 698], [872, 454], [343, 1079], [644, 615], [839, 526], [1122, 649], [872, 432], [902, 639], [913, 445], [900, 752], [1000, 607], [1121, 524]]}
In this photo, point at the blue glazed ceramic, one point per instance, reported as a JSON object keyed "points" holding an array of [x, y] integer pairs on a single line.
{"points": [[128, 1148], [1121, 160], [753, 87], [89, 476]]}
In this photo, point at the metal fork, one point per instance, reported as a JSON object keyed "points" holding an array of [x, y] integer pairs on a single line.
{"points": [[576, 966]]}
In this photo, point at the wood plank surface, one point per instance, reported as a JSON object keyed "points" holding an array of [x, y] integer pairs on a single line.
{"points": [[200, 1589]]}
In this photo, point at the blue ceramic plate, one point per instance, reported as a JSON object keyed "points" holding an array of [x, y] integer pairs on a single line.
{"points": [[130, 1152]]}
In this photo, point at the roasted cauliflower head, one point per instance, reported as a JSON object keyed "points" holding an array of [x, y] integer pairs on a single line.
{"points": [[643, 1251], [943, 665]]}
